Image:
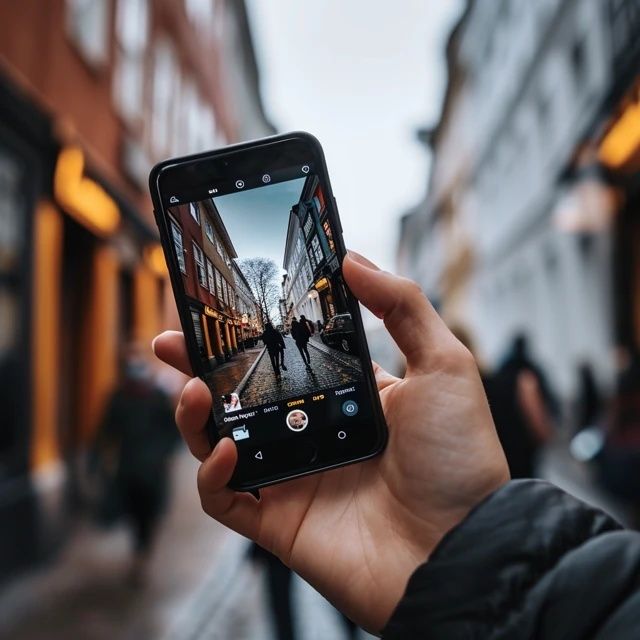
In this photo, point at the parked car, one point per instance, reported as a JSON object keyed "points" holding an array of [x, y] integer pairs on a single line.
{"points": [[340, 334]]}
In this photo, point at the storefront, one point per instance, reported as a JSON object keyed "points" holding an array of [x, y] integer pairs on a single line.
{"points": [[216, 333], [26, 153], [80, 277]]}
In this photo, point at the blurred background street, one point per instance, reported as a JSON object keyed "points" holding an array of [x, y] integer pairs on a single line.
{"points": [[488, 150]]}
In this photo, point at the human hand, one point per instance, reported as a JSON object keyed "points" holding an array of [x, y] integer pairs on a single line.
{"points": [[357, 533]]}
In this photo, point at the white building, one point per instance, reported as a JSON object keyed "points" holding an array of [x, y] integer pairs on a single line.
{"points": [[533, 89], [297, 288]]}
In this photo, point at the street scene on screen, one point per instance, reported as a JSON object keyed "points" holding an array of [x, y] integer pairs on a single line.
{"points": [[266, 294]]}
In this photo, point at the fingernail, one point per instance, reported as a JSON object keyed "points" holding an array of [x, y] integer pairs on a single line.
{"points": [[356, 257]]}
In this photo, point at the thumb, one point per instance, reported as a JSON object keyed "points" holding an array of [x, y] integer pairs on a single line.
{"points": [[409, 317]]}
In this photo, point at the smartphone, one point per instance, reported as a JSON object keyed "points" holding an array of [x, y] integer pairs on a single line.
{"points": [[254, 247]]}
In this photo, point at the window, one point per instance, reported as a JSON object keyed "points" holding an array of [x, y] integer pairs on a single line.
{"points": [[219, 248], [327, 232], [194, 210], [198, 258], [87, 23], [132, 25], [312, 259], [318, 200], [208, 230], [210, 281], [317, 250], [178, 246], [164, 103], [225, 293], [308, 226], [219, 284]]}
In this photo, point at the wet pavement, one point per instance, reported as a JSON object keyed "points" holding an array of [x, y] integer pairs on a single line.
{"points": [[226, 377], [200, 585], [328, 368]]}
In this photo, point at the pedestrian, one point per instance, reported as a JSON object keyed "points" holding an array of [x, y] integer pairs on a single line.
{"points": [[430, 539], [522, 408], [281, 348], [301, 335], [133, 448], [274, 343], [588, 404], [279, 581], [619, 462], [309, 325], [320, 326]]}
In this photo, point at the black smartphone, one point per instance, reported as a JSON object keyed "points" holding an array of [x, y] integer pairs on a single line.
{"points": [[254, 246]]}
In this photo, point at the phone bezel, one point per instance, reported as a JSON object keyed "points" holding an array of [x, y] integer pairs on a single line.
{"points": [[179, 172]]}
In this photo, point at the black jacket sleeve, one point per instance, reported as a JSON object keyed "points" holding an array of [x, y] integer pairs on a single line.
{"points": [[529, 562]]}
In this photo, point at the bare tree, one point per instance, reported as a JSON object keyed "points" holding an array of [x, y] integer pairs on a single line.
{"points": [[263, 278]]}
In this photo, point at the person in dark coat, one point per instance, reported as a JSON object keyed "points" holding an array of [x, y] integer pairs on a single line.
{"points": [[308, 324], [274, 342], [137, 437], [301, 335], [279, 583], [619, 461], [431, 539], [522, 406], [588, 403]]}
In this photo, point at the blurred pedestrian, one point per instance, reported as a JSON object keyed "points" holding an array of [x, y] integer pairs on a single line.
{"points": [[134, 446], [522, 407], [320, 325], [274, 343], [588, 405], [620, 458], [279, 581], [301, 335]]}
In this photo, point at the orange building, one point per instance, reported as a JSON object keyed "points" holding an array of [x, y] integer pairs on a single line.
{"points": [[91, 95]]}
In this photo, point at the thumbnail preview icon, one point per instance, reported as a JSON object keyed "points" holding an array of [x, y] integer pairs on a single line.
{"points": [[240, 433]]}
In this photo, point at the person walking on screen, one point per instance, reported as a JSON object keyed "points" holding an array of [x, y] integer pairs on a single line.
{"points": [[275, 344], [308, 324], [301, 334], [281, 349]]}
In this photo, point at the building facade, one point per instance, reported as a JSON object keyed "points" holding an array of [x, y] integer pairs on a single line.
{"points": [[248, 313], [313, 286], [91, 95], [535, 165]]}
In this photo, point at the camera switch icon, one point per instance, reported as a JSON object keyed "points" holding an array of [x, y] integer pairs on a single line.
{"points": [[349, 408], [240, 433]]}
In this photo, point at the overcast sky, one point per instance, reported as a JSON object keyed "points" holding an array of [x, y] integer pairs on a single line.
{"points": [[257, 219], [361, 75]]}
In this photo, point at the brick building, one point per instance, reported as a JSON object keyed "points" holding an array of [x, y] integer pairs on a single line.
{"points": [[91, 95]]}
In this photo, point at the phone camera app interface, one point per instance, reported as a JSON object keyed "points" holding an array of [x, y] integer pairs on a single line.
{"points": [[269, 307]]}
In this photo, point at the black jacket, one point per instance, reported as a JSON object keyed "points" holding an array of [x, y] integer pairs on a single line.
{"points": [[529, 562]]}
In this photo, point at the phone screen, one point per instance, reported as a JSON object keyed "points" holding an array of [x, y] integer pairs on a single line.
{"points": [[259, 259]]}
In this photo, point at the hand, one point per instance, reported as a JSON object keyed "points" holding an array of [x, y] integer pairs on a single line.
{"points": [[357, 533]]}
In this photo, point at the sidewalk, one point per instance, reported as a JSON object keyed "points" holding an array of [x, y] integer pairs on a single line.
{"points": [[201, 586]]}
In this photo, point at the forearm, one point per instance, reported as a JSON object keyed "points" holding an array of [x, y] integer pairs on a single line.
{"points": [[530, 561]]}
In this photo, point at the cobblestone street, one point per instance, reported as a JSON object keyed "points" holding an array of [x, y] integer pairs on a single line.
{"points": [[328, 369]]}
